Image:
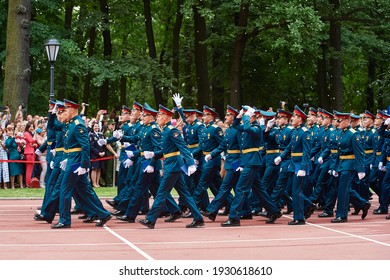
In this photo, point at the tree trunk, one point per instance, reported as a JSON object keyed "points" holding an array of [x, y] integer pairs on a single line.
{"points": [[237, 55], [107, 52], [91, 51], [152, 47], [63, 78], [217, 88], [176, 45], [17, 65], [336, 85], [371, 79], [322, 88], [201, 57]]}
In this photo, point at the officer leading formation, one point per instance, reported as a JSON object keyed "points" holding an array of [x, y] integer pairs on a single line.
{"points": [[255, 164]]}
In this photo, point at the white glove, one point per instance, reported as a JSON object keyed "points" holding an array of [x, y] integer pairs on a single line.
{"points": [[271, 123], [250, 111], [148, 155], [370, 166], [191, 170], [130, 154], [277, 160], [301, 173], [52, 165], [320, 160], [126, 144], [127, 163], [387, 121], [197, 162], [117, 134], [63, 164], [55, 109], [149, 169], [81, 171], [176, 97], [38, 152], [361, 175], [381, 167], [330, 171], [207, 157], [239, 169], [53, 151], [335, 174], [102, 142], [241, 113]]}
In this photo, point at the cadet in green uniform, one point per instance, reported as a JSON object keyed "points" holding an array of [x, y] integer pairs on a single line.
{"points": [[75, 178], [299, 150], [176, 155], [350, 162]]}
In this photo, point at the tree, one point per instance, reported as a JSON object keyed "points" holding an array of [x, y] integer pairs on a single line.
{"points": [[17, 66]]}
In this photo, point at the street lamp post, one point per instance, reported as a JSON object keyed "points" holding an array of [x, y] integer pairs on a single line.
{"points": [[52, 47]]}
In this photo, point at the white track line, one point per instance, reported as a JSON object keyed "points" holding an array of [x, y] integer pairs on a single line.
{"points": [[127, 242], [350, 234]]}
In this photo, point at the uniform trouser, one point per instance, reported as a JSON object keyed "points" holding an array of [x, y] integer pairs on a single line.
{"points": [[312, 180], [71, 183], [172, 179], [49, 158], [321, 187], [253, 199], [210, 177], [364, 184], [384, 192], [280, 191], [122, 174], [250, 179], [331, 195], [192, 181], [299, 199], [386, 188], [147, 181], [269, 178], [229, 182], [345, 180], [50, 183], [50, 205], [108, 178]]}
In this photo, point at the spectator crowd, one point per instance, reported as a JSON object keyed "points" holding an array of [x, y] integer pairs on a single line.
{"points": [[23, 148]]}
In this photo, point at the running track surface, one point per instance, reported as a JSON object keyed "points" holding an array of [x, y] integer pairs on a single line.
{"points": [[22, 238]]}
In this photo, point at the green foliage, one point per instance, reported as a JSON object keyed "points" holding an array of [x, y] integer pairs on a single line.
{"points": [[279, 63]]}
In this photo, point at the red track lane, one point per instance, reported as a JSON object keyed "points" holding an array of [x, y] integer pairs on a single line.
{"points": [[22, 238]]}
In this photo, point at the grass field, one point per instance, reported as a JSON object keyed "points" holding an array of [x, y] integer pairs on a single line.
{"points": [[38, 193]]}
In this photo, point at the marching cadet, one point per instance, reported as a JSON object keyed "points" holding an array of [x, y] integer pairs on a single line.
{"points": [[278, 138], [330, 156], [367, 142], [192, 134], [148, 139], [376, 175], [122, 173], [320, 189], [76, 165], [299, 150], [231, 147], [384, 164], [176, 155], [251, 137], [263, 117], [50, 203], [132, 166], [212, 137], [350, 162], [313, 123]]}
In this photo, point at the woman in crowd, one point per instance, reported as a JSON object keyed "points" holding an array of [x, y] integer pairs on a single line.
{"points": [[4, 171], [40, 137], [97, 152], [15, 168], [29, 151]]}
